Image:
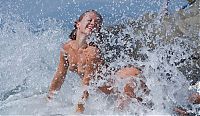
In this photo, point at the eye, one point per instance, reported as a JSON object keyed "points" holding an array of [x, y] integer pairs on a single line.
{"points": [[97, 22], [89, 20]]}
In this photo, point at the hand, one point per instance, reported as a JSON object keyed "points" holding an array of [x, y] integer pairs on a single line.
{"points": [[195, 98], [80, 108], [50, 96], [181, 111]]}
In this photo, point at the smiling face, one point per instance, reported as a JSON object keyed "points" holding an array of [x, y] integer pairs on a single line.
{"points": [[89, 23]]}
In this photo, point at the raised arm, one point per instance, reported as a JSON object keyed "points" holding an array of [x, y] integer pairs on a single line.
{"points": [[60, 74]]}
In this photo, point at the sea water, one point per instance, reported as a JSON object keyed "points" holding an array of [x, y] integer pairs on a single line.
{"points": [[155, 43]]}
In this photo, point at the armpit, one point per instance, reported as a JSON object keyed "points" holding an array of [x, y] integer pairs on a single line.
{"points": [[66, 60]]}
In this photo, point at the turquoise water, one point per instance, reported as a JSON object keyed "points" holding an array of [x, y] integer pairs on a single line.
{"points": [[33, 31], [112, 10]]}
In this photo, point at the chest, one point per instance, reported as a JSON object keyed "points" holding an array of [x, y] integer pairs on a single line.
{"points": [[81, 60]]}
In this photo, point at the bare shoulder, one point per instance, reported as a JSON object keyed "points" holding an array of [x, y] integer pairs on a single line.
{"points": [[66, 46], [93, 49]]}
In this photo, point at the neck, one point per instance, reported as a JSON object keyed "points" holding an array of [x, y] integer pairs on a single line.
{"points": [[81, 40]]}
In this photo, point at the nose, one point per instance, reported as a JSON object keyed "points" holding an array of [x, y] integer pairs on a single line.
{"points": [[92, 22]]}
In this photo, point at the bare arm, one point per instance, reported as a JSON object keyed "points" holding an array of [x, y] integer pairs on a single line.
{"points": [[60, 74]]}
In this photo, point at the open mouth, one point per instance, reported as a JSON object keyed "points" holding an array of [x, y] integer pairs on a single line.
{"points": [[90, 28]]}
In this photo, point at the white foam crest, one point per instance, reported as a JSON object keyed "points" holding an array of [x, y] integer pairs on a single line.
{"points": [[29, 56]]}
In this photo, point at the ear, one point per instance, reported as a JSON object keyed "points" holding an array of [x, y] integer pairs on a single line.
{"points": [[77, 25]]}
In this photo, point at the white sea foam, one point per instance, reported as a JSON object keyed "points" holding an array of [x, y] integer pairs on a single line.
{"points": [[29, 56]]}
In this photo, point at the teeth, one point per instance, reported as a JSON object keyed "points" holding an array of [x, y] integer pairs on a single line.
{"points": [[90, 28]]}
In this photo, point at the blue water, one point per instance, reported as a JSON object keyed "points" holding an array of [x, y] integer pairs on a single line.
{"points": [[32, 31], [112, 10]]}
